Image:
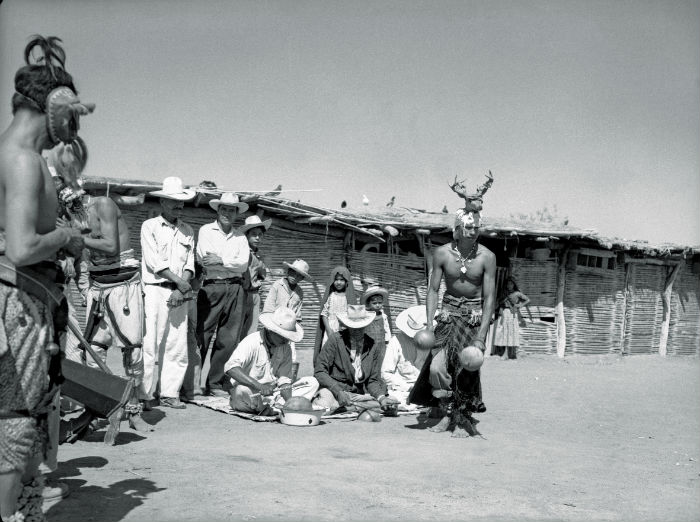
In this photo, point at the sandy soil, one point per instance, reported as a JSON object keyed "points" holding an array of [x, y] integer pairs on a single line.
{"points": [[583, 438]]}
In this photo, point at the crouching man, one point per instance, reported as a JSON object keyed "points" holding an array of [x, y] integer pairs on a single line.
{"points": [[260, 368]]}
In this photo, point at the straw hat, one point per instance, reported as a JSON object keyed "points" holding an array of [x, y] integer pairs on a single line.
{"points": [[254, 221], [411, 320], [228, 199], [374, 290], [174, 189], [357, 316], [283, 321], [300, 266]]}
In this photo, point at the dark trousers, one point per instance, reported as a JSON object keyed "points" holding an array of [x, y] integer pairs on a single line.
{"points": [[220, 310]]}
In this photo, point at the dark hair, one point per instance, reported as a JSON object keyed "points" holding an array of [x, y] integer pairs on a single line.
{"points": [[35, 81], [510, 280]]}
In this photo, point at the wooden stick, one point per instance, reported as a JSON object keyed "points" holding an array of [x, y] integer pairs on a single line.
{"points": [[668, 287], [79, 335], [559, 308]]}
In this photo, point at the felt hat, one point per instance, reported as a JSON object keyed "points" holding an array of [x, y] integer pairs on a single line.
{"points": [[300, 266], [229, 199], [357, 316], [283, 321], [411, 320], [174, 189], [254, 221], [374, 290]]}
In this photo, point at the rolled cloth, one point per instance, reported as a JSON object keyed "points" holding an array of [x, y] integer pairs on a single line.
{"points": [[457, 326]]}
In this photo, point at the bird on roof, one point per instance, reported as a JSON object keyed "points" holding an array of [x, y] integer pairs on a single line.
{"points": [[365, 200], [343, 204], [274, 192], [444, 210], [391, 201]]}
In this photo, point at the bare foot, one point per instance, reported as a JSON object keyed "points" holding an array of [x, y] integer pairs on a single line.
{"points": [[460, 432], [137, 423], [441, 426]]}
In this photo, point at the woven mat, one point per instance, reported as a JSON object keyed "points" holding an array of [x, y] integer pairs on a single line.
{"points": [[222, 404]]}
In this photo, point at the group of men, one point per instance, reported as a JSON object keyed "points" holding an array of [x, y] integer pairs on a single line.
{"points": [[148, 308]]}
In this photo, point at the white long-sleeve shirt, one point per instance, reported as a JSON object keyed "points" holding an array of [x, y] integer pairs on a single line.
{"points": [[232, 248], [165, 245], [398, 370]]}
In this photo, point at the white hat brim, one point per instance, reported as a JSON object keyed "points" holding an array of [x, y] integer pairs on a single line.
{"points": [[289, 265], [376, 291], [352, 323], [216, 203], [402, 320], [295, 336], [185, 195], [264, 224]]}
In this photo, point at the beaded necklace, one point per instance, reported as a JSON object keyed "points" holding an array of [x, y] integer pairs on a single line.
{"points": [[468, 259]]}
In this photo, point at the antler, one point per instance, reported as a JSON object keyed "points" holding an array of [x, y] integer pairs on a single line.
{"points": [[459, 188], [481, 189]]}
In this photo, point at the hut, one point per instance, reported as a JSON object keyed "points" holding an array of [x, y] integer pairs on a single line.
{"points": [[589, 294]]}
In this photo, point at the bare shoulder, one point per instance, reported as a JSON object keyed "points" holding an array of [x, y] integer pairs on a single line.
{"points": [[442, 252], [104, 205], [21, 167], [488, 255]]}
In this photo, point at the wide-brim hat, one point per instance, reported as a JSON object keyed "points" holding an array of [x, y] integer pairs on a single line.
{"points": [[174, 189], [300, 266], [228, 199], [356, 316], [411, 320], [374, 290], [254, 221], [283, 321]]}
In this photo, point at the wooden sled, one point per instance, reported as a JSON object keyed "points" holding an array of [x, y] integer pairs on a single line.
{"points": [[99, 390]]}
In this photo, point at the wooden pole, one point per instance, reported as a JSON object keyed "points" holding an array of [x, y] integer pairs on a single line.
{"points": [[668, 289], [625, 300], [559, 308]]}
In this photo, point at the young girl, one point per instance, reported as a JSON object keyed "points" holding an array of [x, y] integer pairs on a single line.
{"points": [[339, 293], [508, 326]]}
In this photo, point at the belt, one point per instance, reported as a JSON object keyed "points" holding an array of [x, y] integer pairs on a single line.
{"points": [[167, 284], [228, 280]]}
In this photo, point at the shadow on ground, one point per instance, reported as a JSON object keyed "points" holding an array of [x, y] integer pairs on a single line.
{"points": [[107, 504]]}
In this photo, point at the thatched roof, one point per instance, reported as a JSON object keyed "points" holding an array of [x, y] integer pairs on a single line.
{"points": [[381, 221]]}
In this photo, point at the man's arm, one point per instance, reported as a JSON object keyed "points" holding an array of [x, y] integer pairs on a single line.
{"points": [[24, 184], [488, 289], [324, 361], [108, 213], [240, 376], [271, 299], [433, 289], [375, 384], [237, 257]]}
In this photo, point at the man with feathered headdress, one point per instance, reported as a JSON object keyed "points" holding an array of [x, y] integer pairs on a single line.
{"points": [[469, 270], [46, 111]]}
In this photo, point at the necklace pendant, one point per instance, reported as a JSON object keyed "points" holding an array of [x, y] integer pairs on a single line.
{"points": [[463, 269]]}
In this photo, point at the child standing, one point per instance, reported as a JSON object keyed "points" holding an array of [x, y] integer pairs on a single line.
{"points": [[286, 292], [375, 299], [339, 293]]}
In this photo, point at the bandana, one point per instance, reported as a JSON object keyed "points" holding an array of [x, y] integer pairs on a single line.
{"points": [[466, 219]]}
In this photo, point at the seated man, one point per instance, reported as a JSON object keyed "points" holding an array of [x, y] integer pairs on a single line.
{"points": [[403, 356], [348, 367], [260, 367]]}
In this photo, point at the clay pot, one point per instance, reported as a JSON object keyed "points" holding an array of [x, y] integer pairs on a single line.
{"points": [[471, 358], [298, 403], [369, 416], [425, 339]]}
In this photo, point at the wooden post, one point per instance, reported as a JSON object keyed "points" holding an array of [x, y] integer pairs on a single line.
{"points": [[559, 308], [625, 299], [668, 288]]}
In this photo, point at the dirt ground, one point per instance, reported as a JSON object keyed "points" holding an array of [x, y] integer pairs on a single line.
{"points": [[584, 438]]}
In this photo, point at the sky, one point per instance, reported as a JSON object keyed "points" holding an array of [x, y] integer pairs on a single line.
{"points": [[592, 106]]}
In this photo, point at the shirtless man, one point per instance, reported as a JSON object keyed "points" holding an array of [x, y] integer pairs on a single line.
{"points": [[46, 110], [114, 298], [469, 270]]}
